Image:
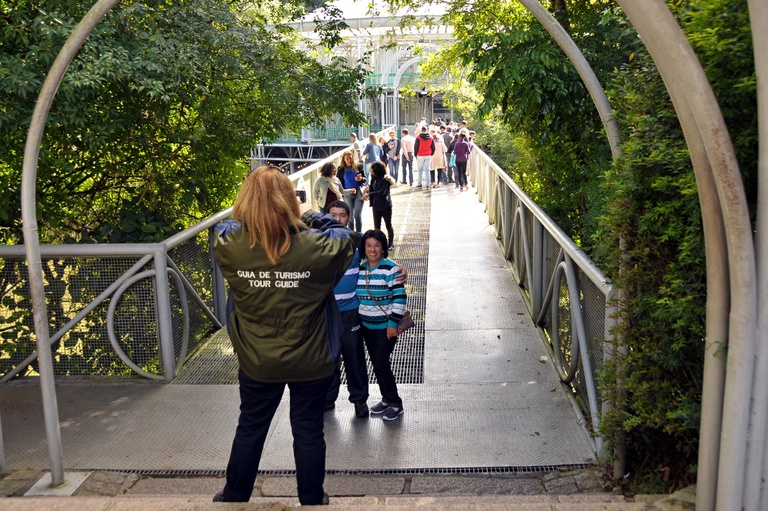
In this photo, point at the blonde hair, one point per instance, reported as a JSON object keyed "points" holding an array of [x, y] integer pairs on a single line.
{"points": [[372, 137], [352, 155], [267, 208]]}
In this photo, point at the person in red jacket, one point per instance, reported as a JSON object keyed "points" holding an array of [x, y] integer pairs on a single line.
{"points": [[423, 148]]}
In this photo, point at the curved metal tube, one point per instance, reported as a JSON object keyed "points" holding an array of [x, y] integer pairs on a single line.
{"points": [[756, 493], [582, 67], [701, 120], [554, 307], [31, 238], [80, 315], [111, 322]]}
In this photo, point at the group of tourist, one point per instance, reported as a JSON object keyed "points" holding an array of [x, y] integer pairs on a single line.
{"points": [[439, 151], [305, 289]]}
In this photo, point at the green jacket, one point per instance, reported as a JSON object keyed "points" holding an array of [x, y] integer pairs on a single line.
{"points": [[278, 327]]}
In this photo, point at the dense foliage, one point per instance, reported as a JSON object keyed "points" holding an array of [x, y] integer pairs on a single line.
{"points": [[152, 124], [653, 205], [539, 124]]}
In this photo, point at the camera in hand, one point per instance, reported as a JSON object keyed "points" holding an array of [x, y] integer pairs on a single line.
{"points": [[302, 195]]}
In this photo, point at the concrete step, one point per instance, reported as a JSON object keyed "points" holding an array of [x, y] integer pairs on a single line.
{"points": [[577, 490], [368, 503]]}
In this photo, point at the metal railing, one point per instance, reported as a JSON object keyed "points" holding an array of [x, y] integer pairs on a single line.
{"points": [[143, 308], [118, 309], [569, 298]]}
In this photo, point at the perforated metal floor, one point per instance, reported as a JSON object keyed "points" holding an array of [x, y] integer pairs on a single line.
{"points": [[216, 364], [486, 401]]}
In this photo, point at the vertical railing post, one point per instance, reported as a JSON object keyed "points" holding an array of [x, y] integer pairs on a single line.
{"points": [[217, 282], [538, 285], [163, 307], [2, 446]]}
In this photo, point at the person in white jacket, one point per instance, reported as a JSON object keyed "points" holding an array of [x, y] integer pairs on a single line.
{"points": [[437, 163]]}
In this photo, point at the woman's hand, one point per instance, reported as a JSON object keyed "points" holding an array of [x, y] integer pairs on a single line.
{"points": [[358, 177], [352, 191], [392, 332]]}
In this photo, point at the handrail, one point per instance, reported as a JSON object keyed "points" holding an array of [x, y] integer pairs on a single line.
{"points": [[508, 210]]}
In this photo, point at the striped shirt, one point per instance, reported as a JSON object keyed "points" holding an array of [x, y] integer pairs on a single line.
{"points": [[388, 294], [346, 290]]}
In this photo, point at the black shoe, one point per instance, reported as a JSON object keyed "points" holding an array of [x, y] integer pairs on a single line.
{"points": [[330, 406], [379, 407], [219, 497], [392, 413], [361, 410], [326, 500]]}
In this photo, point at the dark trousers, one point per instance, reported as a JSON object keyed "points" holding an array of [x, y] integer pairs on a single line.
{"points": [[387, 216], [407, 164], [353, 354], [379, 350], [258, 404], [461, 166]]}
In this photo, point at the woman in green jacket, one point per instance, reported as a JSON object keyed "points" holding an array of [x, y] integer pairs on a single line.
{"points": [[281, 275]]}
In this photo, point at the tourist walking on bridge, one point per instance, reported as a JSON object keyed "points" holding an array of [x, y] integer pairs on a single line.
{"points": [[281, 275], [461, 149], [406, 142], [393, 155], [327, 188], [372, 153], [423, 148], [381, 201], [352, 178], [382, 306], [437, 163]]}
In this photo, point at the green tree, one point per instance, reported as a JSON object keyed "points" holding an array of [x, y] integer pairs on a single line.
{"points": [[151, 126]]}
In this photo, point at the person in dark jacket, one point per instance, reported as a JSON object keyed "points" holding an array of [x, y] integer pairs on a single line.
{"points": [[286, 326], [381, 201], [462, 149]]}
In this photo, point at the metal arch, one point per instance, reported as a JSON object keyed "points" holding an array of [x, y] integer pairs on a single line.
{"points": [[31, 237], [111, 322]]}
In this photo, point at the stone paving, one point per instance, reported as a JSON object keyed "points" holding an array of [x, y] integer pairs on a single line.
{"points": [[562, 489]]}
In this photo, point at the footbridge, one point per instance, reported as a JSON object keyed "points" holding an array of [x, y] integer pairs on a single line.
{"points": [[498, 374]]}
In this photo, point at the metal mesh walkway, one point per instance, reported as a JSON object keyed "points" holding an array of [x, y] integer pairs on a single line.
{"points": [[215, 363], [479, 391]]}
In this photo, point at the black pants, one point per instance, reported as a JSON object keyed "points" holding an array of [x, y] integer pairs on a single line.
{"points": [[387, 216], [258, 404], [379, 350], [353, 354], [461, 166]]}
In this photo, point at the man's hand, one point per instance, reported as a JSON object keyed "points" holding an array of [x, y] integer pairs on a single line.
{"points": [[400, 279], [304, 207]]}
